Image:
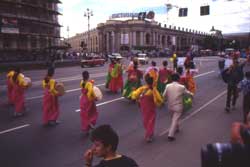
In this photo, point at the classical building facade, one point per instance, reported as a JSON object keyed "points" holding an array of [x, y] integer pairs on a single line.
{"points": [[28, 28], [117, 36]]}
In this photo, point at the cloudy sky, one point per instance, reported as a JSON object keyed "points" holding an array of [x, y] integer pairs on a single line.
{"points": [[230, 16]]}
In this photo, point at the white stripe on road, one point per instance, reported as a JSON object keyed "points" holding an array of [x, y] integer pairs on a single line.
{"points": [[13, 129], [206, 73], [106, 102], [197, 111]]}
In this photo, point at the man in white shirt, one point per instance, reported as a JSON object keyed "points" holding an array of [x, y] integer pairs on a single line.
{"points": [[174, 93]]}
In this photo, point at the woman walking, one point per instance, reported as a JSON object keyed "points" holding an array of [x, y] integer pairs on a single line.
{"points": [[89, 112]]}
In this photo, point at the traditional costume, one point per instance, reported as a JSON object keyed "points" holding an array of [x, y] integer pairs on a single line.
{"points": [[148, 99], [10, 86], [164, 79], [19, 86], [133, 82], [89, 112], [116, 80], [50, 101]]}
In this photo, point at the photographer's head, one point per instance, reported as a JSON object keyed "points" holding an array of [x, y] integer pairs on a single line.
{"points": [[105, 141]]}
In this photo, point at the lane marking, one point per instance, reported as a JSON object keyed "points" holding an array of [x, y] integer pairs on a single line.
{"points": [[13, 129], [197, 111], [106, 102], [206, 73]]}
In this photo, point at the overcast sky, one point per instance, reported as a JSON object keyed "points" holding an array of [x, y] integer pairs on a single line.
{"points": [[230, 16]]}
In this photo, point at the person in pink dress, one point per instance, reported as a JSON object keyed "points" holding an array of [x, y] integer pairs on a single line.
{"points": [[10, 86], [148, 97], [88, 108], [19, 87], [50, 100]]}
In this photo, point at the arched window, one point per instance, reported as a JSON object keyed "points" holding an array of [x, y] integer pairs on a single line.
{"points": [[147, 39]]}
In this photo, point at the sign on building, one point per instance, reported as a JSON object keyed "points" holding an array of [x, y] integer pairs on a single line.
{"points": [[9, 25]]}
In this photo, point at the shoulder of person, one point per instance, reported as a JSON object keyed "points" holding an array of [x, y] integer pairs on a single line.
{"points": [[129, 161]]}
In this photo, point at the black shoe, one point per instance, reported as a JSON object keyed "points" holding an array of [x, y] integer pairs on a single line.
{"points": [[227, 109], [171, 138]]}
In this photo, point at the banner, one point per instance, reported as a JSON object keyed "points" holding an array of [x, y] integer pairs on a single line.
{"points": [[9, 25]]}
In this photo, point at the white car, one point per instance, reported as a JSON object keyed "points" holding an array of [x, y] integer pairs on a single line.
{"points": [[143, 58]]}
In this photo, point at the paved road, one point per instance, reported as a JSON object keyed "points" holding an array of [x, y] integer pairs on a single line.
{"points": [[25, 143]]}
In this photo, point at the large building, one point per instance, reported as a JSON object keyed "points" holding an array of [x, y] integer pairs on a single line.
{"points": [[133, 34], [28, 28]]}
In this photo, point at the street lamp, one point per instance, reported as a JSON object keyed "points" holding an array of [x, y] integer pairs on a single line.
{"points": [[88, 13]]}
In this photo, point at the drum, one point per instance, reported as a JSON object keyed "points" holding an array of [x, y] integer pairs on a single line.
{"points": [[60, 88], [98, 93], [27, 81]]}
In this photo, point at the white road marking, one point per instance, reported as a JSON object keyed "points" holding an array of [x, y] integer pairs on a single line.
{"points": [[206, 73], [13, 129], [106, 102], [197, 111]]}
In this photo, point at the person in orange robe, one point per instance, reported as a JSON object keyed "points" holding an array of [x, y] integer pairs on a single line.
{"points": [[10, 86], [19, 87], [88, 108], [50, 100], [148, 97]]}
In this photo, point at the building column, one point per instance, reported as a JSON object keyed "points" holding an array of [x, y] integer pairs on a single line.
{"points": [[118, 42], [113, 41], [130, 39], [107, 42], [134, 38], [141, 38]]}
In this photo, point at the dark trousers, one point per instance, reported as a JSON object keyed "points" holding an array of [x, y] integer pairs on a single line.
{"points": [[246, 106], [231, 91]]}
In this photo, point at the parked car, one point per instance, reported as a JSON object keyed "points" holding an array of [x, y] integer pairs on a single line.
{"points": [[142, 58], [92, 61]]}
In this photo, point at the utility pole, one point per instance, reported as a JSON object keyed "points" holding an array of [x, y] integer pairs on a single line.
{"points": [[88, 13]]}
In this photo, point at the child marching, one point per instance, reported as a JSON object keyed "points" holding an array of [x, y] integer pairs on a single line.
{"points": [[88, 108], [19, 86], [50, 100], [9, 83], [148, 97], [164, 77], [133, 82]]}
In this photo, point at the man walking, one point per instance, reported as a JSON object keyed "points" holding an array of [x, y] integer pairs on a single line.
{"points": [[235, 75], [174, 93]]}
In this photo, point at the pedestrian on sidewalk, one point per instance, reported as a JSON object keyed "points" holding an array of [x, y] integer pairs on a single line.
{"points": [[105, 142], [88, 108], [51, 109], [148, 97], [244, 86], [174, 94]]}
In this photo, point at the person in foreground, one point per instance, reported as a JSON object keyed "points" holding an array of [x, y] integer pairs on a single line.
{"points": [[105, 141]]}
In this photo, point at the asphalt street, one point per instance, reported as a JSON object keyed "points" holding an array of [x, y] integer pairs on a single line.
{"points": [[24, 142]]}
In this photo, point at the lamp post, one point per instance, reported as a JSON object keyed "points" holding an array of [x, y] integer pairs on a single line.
{"points": [[88, 13]]}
